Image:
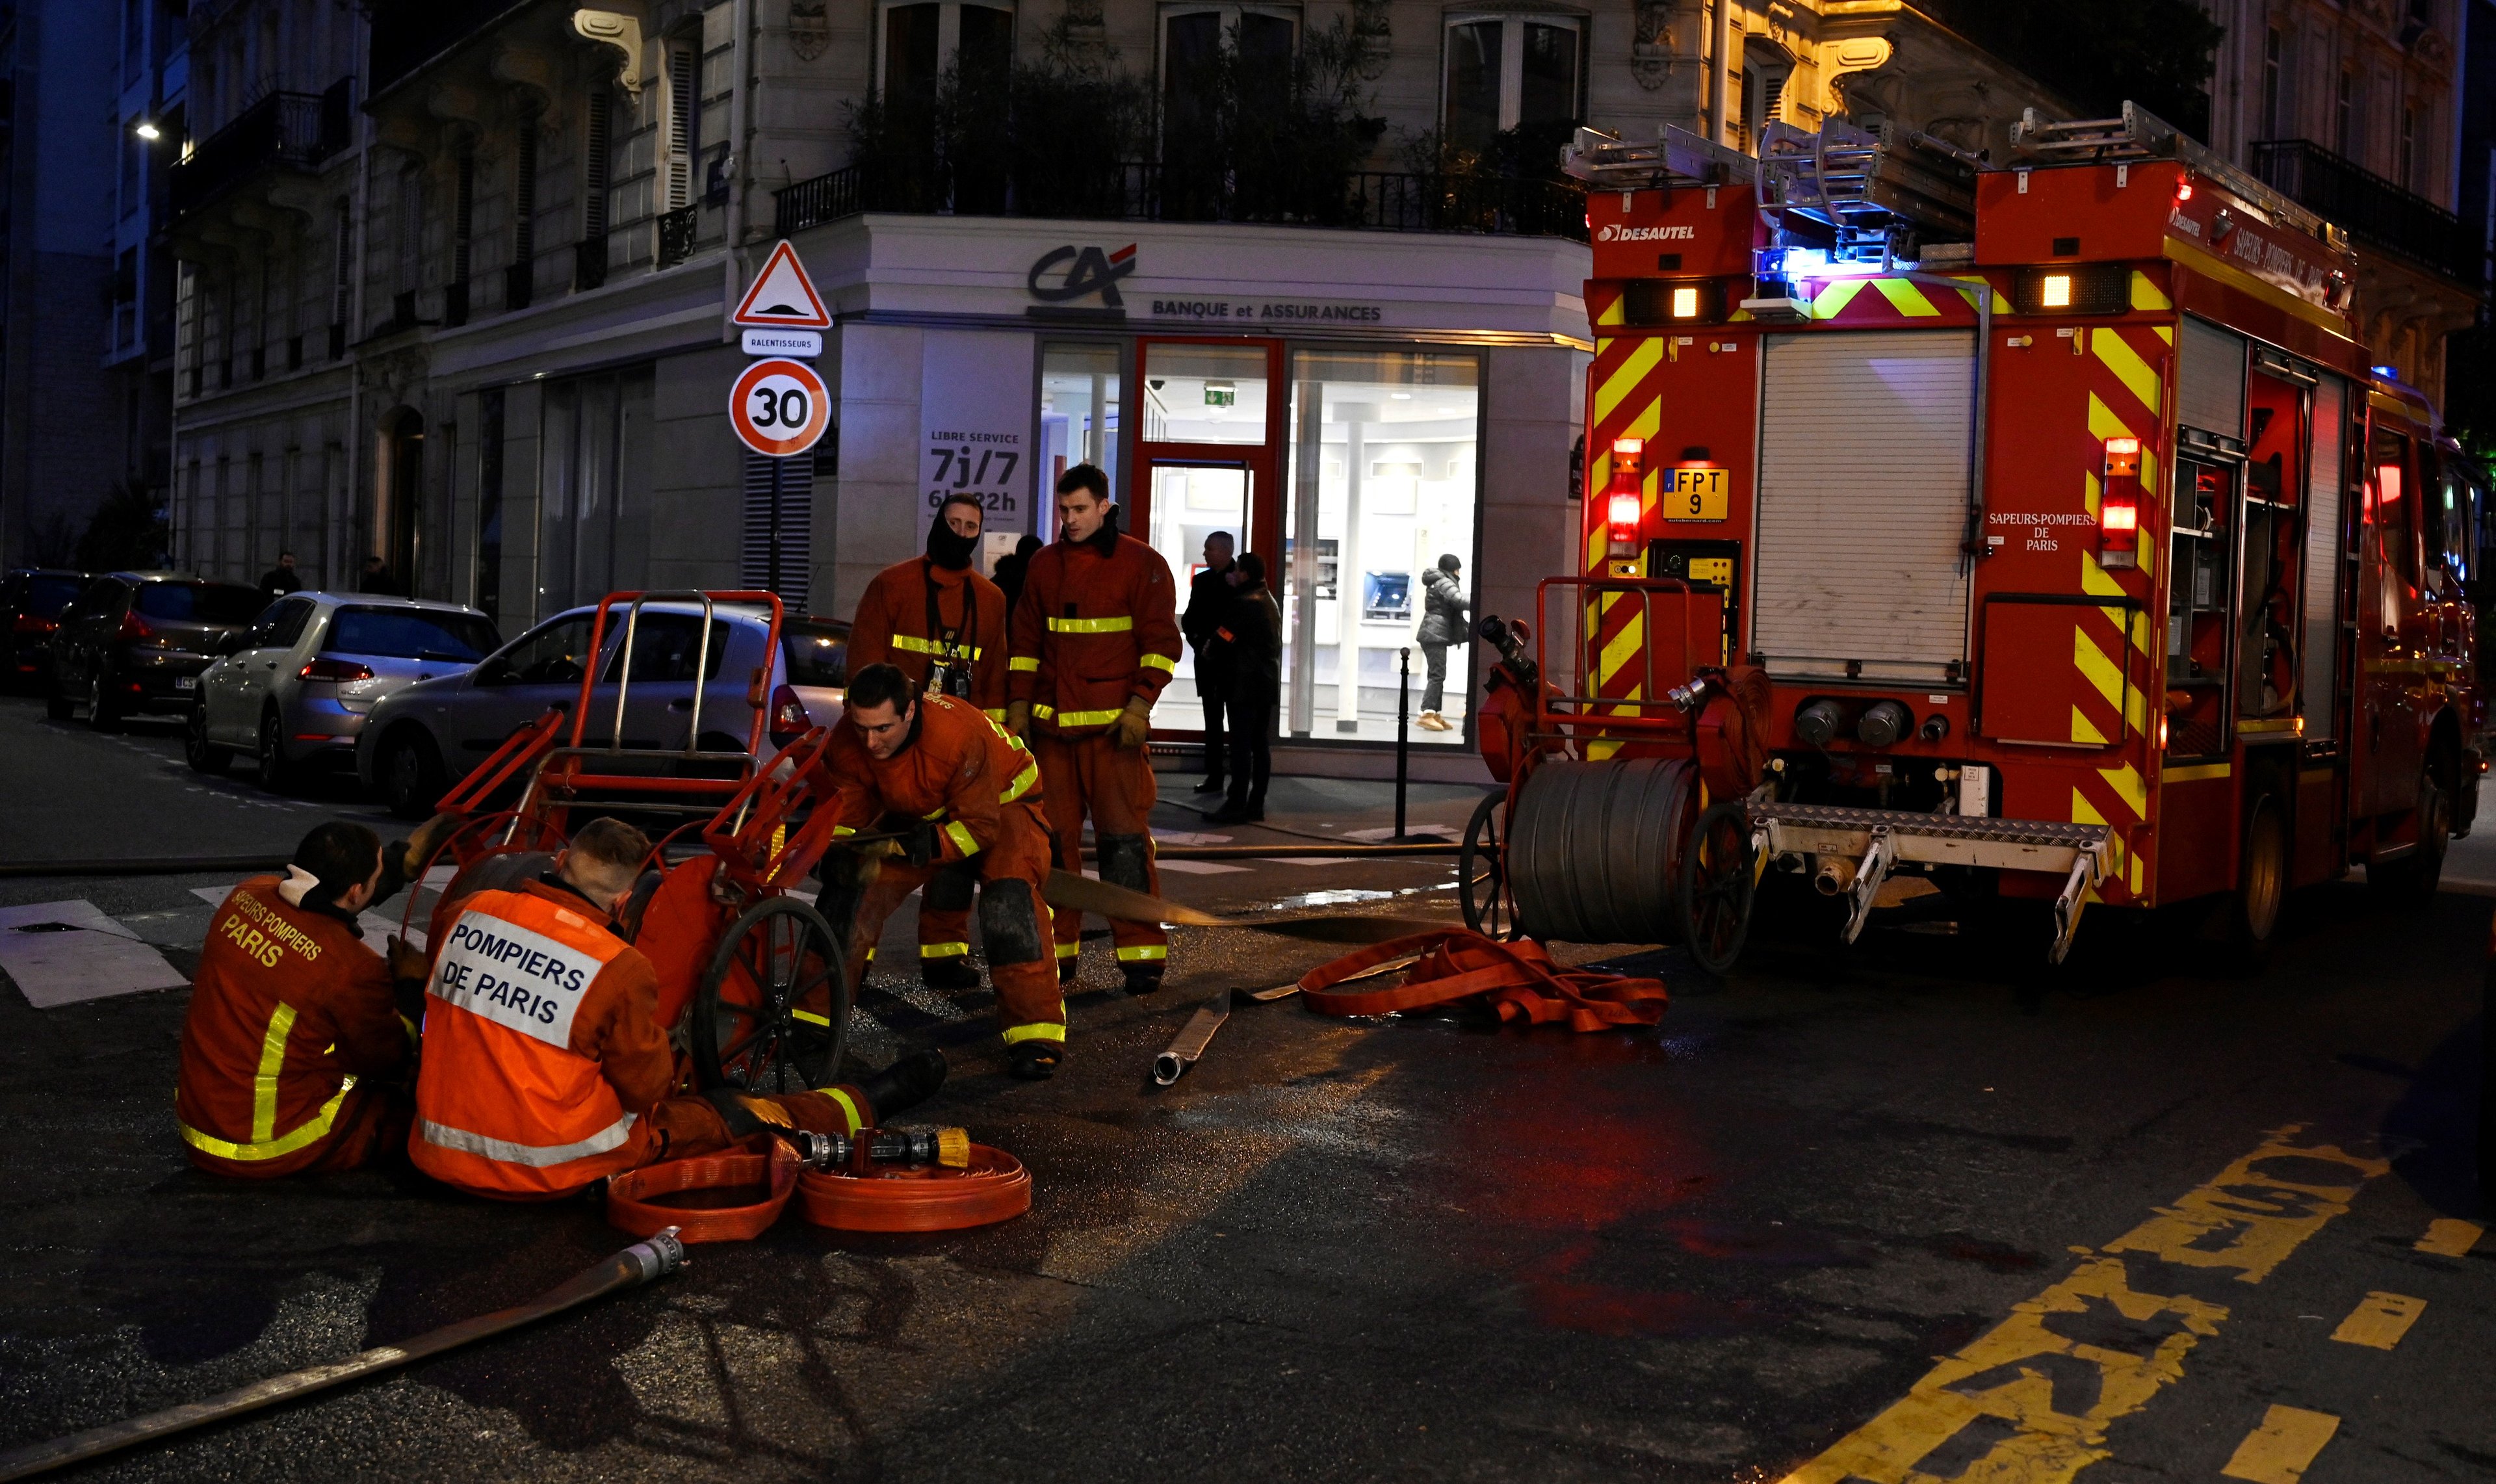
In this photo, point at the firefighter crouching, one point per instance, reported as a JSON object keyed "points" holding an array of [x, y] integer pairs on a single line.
{"points": [[544, 1068], [967, 797], [295, 1049], [1095, 638], [940, 624]]}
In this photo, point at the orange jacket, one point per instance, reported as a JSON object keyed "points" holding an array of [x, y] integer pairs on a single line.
{"points": [[287, 1009], [1096, 628], [962, 771], [542, 1049], [892, 628]]}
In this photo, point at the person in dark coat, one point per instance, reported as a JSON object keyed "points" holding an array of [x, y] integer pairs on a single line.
{"points": [[1253, 627], [1208, 600], [1444, 607], [1011, 567], [378, 580], [280, 580]]}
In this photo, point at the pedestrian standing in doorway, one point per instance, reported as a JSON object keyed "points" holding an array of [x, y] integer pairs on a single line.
{"points": [[1208, 601], [1009, 569], [280, 580], [1443, 623], [378, 581], [1252, 627]]}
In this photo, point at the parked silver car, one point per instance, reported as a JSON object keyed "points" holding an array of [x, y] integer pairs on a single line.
{"points": [[294, 688], [428, 736]]}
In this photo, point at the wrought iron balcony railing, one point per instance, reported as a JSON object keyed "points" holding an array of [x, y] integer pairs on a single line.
{"points": [[293, 129], [2374, 211]]}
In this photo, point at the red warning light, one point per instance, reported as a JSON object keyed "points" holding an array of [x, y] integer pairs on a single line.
{"points": [[2183, 190], [2119, 517], [2123, 458], [1622, 515]]}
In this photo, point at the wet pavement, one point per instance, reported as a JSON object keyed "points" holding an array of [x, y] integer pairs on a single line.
{"points": [[1911, 1211]]}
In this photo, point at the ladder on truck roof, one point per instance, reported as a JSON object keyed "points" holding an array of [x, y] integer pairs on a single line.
{"points": [[1864, 185], [1675, 158], [2136, 133]]}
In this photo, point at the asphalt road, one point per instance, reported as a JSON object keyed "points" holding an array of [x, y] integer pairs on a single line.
{"points": [[1913, 1211]]}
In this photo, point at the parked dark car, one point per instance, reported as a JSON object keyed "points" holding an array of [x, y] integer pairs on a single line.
{"points": [[136, 642], [31, 599]]}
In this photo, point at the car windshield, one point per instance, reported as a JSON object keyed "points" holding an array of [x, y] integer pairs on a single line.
{"points": [[412, 634], [45, 597], [203, 603], [665, 647], [819, 653]]}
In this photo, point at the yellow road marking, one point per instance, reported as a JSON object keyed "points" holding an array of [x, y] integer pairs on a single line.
{"points": [[2379, 1321], [2283, 1447], [2450, 1238], [2058, 1371]]}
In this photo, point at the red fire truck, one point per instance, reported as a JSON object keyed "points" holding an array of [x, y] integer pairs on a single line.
{"points": [[2046, 519]]}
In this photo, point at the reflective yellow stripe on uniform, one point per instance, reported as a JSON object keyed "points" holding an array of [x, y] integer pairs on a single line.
{"points": [[1119, 625], [996, 716], [1068, 949], [1162, 662], [963, 840], [849, 1107], [1037, 1031], [1044, 711], [1023, 663], [919, 646], [1078, 717], [943, 950], [264, 1143], [839, 830], [1141, 952], [1024, 783]]}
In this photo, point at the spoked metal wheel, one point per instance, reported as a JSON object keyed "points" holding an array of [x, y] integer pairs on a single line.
{"points": [[1481, 873], [773, 1013], [1718, 880]]}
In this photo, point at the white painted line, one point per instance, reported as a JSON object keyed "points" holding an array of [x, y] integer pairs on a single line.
{"points": [[63, 952], [1196, 867], [1189, 837]]}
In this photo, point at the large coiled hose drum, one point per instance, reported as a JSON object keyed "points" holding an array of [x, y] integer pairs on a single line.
{"points": [[1594, 853]]}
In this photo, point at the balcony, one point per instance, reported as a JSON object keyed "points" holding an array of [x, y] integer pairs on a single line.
{"points": [[409, 34], [295, 131], [2373, 210], [677, 230], [1373, 200]]}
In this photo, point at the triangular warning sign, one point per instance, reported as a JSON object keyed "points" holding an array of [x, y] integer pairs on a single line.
{"points": [[784, 296]]}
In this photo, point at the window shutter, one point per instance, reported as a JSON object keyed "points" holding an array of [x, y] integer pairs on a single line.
{"points": [[684, 128], [777, 552]]}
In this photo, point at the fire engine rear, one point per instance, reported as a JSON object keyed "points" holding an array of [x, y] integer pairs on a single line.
{"points": [[2045, 522]]}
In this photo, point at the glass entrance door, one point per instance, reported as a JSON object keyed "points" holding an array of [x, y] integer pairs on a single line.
{"points": [[1189, 503]]}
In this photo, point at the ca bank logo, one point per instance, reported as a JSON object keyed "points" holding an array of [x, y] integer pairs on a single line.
{"points": [[1087, 271]]}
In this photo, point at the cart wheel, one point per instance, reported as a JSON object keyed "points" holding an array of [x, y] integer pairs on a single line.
{"points": [[1481, 873], [773, 1013], [1717, 884]]}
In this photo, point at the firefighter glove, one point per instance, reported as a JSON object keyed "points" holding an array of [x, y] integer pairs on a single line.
{"points": [[920, 844], [405, 962], [1134, 724], [1018, 718]]}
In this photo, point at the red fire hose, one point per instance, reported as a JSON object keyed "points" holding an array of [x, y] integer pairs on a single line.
{"points": [[1519, 980]]}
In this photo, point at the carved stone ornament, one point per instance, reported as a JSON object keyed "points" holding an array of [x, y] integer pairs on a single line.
{"points": [[622, 33], [1375, 35], [1651, 47], [810, 30]]}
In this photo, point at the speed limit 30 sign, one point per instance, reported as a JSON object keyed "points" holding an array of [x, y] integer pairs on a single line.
{"points": [[779, 408]]}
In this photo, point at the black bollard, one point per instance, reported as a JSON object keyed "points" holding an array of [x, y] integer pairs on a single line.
{"points": [[1403, 729]]}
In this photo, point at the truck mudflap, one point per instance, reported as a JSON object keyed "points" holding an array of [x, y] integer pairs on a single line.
{"points": [[1856, 849]]}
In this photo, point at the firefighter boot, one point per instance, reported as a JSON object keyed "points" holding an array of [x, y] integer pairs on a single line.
{"points": [[955, 973], [909, 1081], [1035, 1061], [1141, 978]]}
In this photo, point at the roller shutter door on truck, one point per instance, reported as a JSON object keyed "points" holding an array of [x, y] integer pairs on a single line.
{"points": [[1863, 502], [2318, 688], [2210, 379]]}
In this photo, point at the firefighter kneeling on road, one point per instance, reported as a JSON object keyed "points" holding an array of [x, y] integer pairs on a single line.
{"points": [[1096, 638], [940, 624], [544, 1068], [298, 1042], [966, 796]]}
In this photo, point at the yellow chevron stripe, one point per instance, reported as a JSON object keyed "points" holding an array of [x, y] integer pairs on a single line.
{"points": [[1831, 300], [2145, 294], [1611, 312], [2167, 332], [2104, 424], [2126, 783], [2085, 730], [2126, 363], [1904, 297], [1623, 648], [1617, 386], [2095, 668]]}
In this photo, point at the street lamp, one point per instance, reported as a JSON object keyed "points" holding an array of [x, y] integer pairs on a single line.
{"points": [[148, 131]]}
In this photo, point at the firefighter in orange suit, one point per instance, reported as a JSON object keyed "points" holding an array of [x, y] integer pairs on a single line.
{"points": [[544, 1066], [966, 796], [295, 1054], [1095, 638], [942, 625]]}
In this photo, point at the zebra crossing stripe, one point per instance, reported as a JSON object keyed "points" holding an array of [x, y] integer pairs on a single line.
{"points": [[66, 952]]}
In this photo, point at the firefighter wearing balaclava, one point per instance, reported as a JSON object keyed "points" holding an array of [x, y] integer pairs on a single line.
{"points": [[1095, 638], [943, 625]]}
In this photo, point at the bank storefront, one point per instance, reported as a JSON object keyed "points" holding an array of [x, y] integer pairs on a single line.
{"points": [[1351, 406]]}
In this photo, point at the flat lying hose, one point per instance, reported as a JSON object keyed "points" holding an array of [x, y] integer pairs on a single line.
{"points": [[630, 1268], [1082, 893], [635, 1200], [1516, 980]]}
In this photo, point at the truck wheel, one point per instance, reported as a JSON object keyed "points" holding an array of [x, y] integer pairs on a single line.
{"points": [[411, 775], [2262, 887], [203, 755], [2412, 880]]}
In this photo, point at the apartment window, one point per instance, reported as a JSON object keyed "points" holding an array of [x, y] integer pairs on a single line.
{"points": [[410, 230], [2274, 42], [594, 167], [1504, 72], [2343, 111], [1195, 39], [921, 40], [684, 119], [522, 274], [2409, 145], [464, 214]]}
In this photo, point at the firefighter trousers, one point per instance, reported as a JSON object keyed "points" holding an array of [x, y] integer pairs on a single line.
{"points": [[945, 910], [1093, 775], [690, 1125], [1011, 875]]}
